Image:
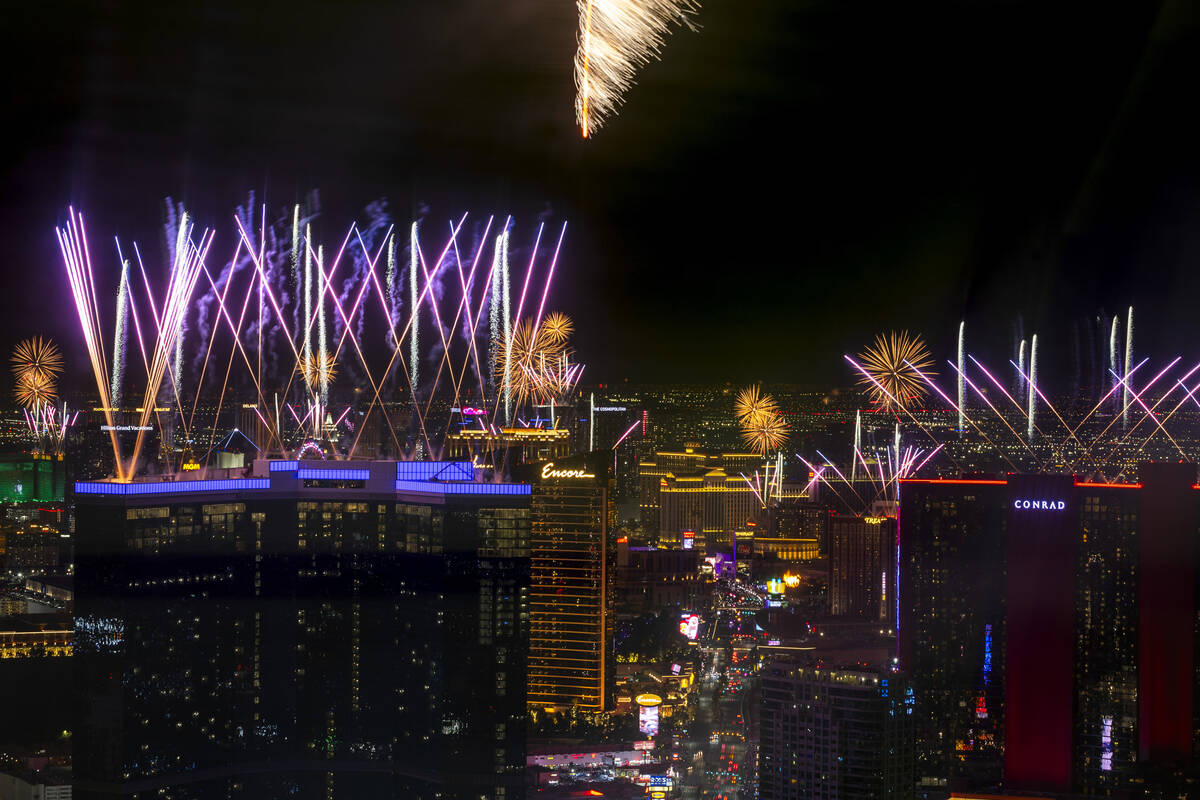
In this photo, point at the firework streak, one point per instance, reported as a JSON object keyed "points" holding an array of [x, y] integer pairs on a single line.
{"points": [[261, 344]]}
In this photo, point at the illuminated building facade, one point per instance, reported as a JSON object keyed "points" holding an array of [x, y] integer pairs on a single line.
{"points": [[571, 578], [666, 469], [32, 477], [651, 579], [830, 734], [1050, 626], [862, 567], [348, 629], [507, 447]]}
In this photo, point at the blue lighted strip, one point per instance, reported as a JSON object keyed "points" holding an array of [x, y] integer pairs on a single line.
{"points": [[284, 466], [442, 470], [171, 487], [429, 487], [333, 474]]}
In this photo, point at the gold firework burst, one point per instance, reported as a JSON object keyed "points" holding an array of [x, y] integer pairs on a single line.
{"points": [[892, 363], [751, 402], [536, 365], [316, 368], [35, 390], [764, 432], [557, 327], [36, 357]]}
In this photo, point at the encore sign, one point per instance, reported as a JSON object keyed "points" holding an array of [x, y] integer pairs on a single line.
{"points": [[548, 471], [1040, 505]]}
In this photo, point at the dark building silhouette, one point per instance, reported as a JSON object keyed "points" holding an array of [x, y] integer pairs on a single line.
{"points": [[862, 567], [1050, 628], [831, 734], [357, 630]]}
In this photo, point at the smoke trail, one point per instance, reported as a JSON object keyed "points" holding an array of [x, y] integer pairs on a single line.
{"points": [[1128, 361], [1113, 359], [180, 253], [307, 351], [962, 384], [297, 275], [1032, 383], [1021, 373], [414, 304], [119, 335]]}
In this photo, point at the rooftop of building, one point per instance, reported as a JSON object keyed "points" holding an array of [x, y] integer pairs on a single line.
{"points": [[291, 477]]}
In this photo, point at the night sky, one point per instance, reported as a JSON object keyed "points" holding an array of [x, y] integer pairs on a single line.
{"points": [[792, 179]]}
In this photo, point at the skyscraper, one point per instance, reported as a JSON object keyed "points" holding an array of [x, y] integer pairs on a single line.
{"points": [[571, 573], [1069, 610], [830, 734], [312, 630], [862, 566]]}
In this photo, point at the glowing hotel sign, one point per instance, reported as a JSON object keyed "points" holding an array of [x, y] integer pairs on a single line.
{"points": [[548, 471], [1039, 505]]}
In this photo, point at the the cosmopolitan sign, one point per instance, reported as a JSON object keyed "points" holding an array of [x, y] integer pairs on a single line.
{"points": [[1039, 505]]}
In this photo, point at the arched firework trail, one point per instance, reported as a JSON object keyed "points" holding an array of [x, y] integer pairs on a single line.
{"points": [[616, 38]]}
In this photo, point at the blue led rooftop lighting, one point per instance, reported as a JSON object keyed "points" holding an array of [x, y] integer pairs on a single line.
{"points": [[442, 470], [476, 489], [334, 474], [171, 487], [285, 466]]}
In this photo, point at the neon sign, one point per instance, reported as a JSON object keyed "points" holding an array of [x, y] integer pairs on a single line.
{"points": [[1040, 505], [548, 471]]}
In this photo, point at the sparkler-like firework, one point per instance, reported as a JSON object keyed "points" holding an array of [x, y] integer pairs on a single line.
{"points": [[37, 358], [762, 426], [266, 301], [616, 38], [891, 370], [765, 433], [537, 361]]}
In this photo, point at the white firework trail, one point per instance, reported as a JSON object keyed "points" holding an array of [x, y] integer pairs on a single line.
{"points": [[119, 336], [506, 321], [1128, 361], [297, 275], [391, 288], [307, 349], [1021, 369], [414, 302], [962, 384], [1114, 360], [322, 350], [180, 253], [857, 442], [616, 38], [494, 303], [1032, 389]]}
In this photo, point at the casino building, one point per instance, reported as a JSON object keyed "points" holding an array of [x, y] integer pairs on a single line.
{"points": [[306, 629], [1051, 630], [572, 575]]}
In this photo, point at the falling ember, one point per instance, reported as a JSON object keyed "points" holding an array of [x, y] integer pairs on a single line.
{"points": [[616, 38], [892, 369]]}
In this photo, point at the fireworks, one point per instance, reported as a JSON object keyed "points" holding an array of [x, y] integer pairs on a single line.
{"points": [[37, 359], [765, 432], [892, 369], [35, 391], [318, 371], [751, 403], [616, 37], [536, 362], [283, 320]]}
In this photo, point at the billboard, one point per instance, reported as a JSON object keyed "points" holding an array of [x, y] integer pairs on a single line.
{"points": [[689, 626]]}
